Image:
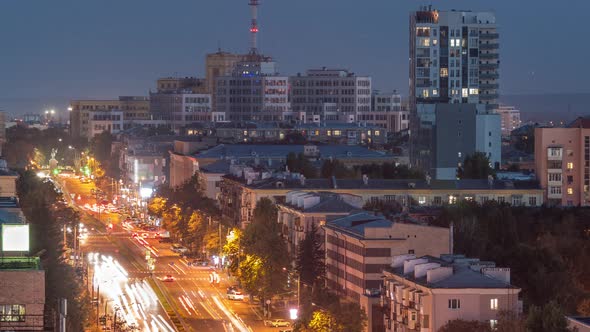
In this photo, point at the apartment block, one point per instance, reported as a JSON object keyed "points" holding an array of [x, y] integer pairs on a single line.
{"points": [[510, 119], [386, 112], [181, 107], [361, 245], [454, 57], [562, 163], [423, 293], [330, 95]]}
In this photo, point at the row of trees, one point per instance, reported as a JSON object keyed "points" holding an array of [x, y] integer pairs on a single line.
{"points": [[298, 163], [47, 215], [547, 249], [260, 260], [189, 215]]}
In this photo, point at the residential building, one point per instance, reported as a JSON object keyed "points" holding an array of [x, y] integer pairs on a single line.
{"points": [[454, 57], [510, 119], [181, 107], [172, 84], [241, 192], [360, 246], [445, 134], [331, 132], [8, 179], [303, 209], [329, 95], [132, 109], [182, 164], [253, 92], [219, 64], [22, 294], [562, 163], [423, 293], [386, 112], [108, 120]]}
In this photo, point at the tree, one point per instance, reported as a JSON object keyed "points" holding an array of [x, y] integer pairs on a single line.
{"points": [[310, 258], [509, 321], [389, 171], [549, 317], [263, 244], [323, 321], [460, 325], [475, 166], [584, 307], [300, 164], [337, 169]]}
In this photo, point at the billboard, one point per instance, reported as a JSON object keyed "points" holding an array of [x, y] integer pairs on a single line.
{"points": [[15, 237]]}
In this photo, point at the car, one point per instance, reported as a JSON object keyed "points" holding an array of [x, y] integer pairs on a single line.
{"points": [[168, 278], [145, 235], [134, 235], [235, 295], [277, 323]]}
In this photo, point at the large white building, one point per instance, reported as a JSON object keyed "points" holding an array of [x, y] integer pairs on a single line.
{"points": [[454, 57], [510, 119], [330, 95], [386, 112]]}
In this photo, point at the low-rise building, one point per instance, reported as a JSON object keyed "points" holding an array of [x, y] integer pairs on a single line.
{"points": [[509, 119], [423, 293], [360, 246], [22, 294], [303, 209], [562, 163], [239, 194], [386, 112]]}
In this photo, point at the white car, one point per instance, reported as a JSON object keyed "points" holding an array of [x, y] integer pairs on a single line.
{"points": [[235, 295], [277, 323]]}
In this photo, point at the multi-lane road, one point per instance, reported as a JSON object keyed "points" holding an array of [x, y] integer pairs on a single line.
{"points": [[188, 303]]}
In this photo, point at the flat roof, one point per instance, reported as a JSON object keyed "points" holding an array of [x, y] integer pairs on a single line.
{"points": [[19, 263]]}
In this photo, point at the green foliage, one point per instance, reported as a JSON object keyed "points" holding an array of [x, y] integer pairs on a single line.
{"points": [[322, 321], [475, 166], [263, 244], [389, 171], [547, 249], [47, 217], [300, 164], [324, 311], [549, 317], [310, 258], [336, 168], [460, 325]]}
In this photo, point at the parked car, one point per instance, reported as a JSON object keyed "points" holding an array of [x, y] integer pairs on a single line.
{"points": [[277, 323]]}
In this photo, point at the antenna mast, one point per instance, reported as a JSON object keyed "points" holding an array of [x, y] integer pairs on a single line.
{"points": [[254, 26]]}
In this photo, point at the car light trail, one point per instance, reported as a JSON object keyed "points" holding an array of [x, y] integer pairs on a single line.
{"points": [[237, 323]]}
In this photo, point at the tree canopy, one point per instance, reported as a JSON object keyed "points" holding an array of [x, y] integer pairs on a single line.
{"points": [[475, 166], [300, 164], [310, 258]]}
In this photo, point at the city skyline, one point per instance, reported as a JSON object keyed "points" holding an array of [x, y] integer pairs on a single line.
{"points": [[118, 50]]}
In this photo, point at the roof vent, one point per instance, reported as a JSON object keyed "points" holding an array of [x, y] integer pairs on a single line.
{"points": [[365, 179], [412, 185]]}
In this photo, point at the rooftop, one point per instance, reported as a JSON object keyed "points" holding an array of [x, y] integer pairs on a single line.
{"points": [[282, 150], [320, 202], [581, 122], [356, 224], [19, 263]]}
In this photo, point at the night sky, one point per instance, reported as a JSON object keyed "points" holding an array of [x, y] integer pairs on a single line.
{"points": [[79, 49]]}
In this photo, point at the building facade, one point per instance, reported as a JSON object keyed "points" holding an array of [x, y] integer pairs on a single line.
{"points": [[424, 293], [386, 112], [181, 107], [254, 92], [360, 246], [330, 95], [510, 119], [454, 57], [219, 64], [562, 163]]}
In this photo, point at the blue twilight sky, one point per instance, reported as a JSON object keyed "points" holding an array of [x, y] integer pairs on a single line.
{"points": [[107, 48]]}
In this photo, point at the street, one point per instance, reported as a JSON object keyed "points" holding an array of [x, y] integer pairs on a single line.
{"points": [[187, 298]]}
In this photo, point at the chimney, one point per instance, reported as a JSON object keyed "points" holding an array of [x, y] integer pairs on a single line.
{"points": [[365, 179]]}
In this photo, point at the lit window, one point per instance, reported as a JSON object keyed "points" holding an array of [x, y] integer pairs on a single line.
{"points": [[329, 133], [245, 133], [337, 132], [493, 323], [459, 154], [377, 133], [434, 42], [570, 191], [464, 92], [434, 92], [494, 304], [452, 43], [12, 313], [317, 133], [452, 199], [473, 91], [458, 42], [570, 165], [425, 93], [421, 200], [425, 42], [444, 72]]}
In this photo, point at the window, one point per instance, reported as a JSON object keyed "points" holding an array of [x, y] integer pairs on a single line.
{"points": [[425, 93], [493, 323], [555, 190], [452, 42], [452, 199], [473, 91], [434, 92], [454, 304], [337, 133], [555, 177], [570, 179], [464, 93], [12, 313], [517, 200], [377, 133], [437, 200], [421, 200], [554, 152], [459, 154], [494, 304], [570, 165], [532, 201], [501, 199], [570, 191], [444, 72]]}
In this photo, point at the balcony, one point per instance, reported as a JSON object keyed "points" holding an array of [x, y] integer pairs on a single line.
{"points": [[489, 76], [488, 56], [553, 196], [492, 46], [555, 153], [489, 86], [489, 66], [489, 35]]}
